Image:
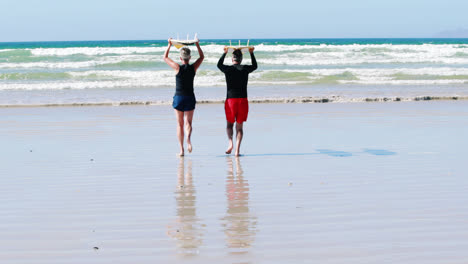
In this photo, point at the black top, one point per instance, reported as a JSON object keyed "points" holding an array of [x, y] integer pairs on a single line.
{"points": [[184, 80], [237, 77]]}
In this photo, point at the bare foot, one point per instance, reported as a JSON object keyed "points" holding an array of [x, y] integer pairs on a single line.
{"points": [[229, 149], [237, 153], [181, 154], [189, 146]]}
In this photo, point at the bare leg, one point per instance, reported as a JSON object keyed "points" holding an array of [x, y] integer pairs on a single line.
{"points": [[229, 131], [180, 130], [188, 129], [239, 136]]}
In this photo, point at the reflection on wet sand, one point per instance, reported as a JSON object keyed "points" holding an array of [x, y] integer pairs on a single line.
{"points": [[239, 225], [186, 230]]}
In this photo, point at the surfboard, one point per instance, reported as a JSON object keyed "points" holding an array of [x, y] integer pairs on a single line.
{"points": [[232, 48], [178, 43], [181, 43]]}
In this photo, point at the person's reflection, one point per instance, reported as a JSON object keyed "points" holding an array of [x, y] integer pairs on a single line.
{"points": [[187, 229], [239, 224]]}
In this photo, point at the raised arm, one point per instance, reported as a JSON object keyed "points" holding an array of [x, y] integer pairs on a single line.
{"points": [[254, 61], [168, 60], [221, 65], [199, 61]]}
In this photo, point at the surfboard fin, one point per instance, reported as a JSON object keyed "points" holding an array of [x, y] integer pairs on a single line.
{"points": [[239, 47], [178, 43]]}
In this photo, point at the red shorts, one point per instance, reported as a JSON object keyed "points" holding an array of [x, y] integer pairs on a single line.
{"points": [[237, 110]]}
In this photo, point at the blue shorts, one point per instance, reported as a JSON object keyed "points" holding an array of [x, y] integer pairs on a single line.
{"points": [[184, 102]]}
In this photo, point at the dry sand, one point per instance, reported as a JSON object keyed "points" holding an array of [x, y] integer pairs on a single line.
{"points": [[319, 183]]}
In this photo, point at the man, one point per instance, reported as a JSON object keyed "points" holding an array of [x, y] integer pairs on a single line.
{"points": [[236, 106]]}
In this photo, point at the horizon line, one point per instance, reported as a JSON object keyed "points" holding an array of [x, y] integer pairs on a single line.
{"points": [[293, 38]]}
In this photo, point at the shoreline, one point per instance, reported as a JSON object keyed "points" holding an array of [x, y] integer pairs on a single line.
{"points": [[292, 100]]}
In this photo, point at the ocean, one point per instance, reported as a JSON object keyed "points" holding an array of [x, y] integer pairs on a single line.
{"points": [[290, 70]]}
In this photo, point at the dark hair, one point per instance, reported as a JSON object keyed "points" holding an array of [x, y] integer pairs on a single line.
{"points": [[237, 55]]}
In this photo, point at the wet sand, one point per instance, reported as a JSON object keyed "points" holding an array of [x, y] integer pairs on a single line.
{"points": [[319, 183]]}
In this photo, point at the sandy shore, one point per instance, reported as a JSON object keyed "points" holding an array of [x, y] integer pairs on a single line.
{"points": [[319, 183]]}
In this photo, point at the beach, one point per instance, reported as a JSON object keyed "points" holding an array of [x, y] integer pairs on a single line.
{"points": [[360, 182]]}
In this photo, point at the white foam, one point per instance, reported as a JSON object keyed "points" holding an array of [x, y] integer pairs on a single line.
{"points": [[306, 59], [287, 55], [441, 50], [83, 64], [444, 71], [375, 81], [116, 79], [428, 63], [210, 78], [94, 51]]}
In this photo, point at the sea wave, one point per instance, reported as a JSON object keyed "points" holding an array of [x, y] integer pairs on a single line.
{"points": [[279, 65], [268, 55], [111, 61], [35, 76], [209, 78], [60, 72], [95, 51], [6, 53], [441, 49], [282, 61], [460, 54]]}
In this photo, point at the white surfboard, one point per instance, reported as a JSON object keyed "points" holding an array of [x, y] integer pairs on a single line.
{"points": [[178, 43], [232, 48]]}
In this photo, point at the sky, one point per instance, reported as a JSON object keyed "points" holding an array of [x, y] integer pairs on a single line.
{"points": [[57, 20]]}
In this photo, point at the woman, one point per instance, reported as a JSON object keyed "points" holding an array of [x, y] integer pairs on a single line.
{"points": [[184, 98]]}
